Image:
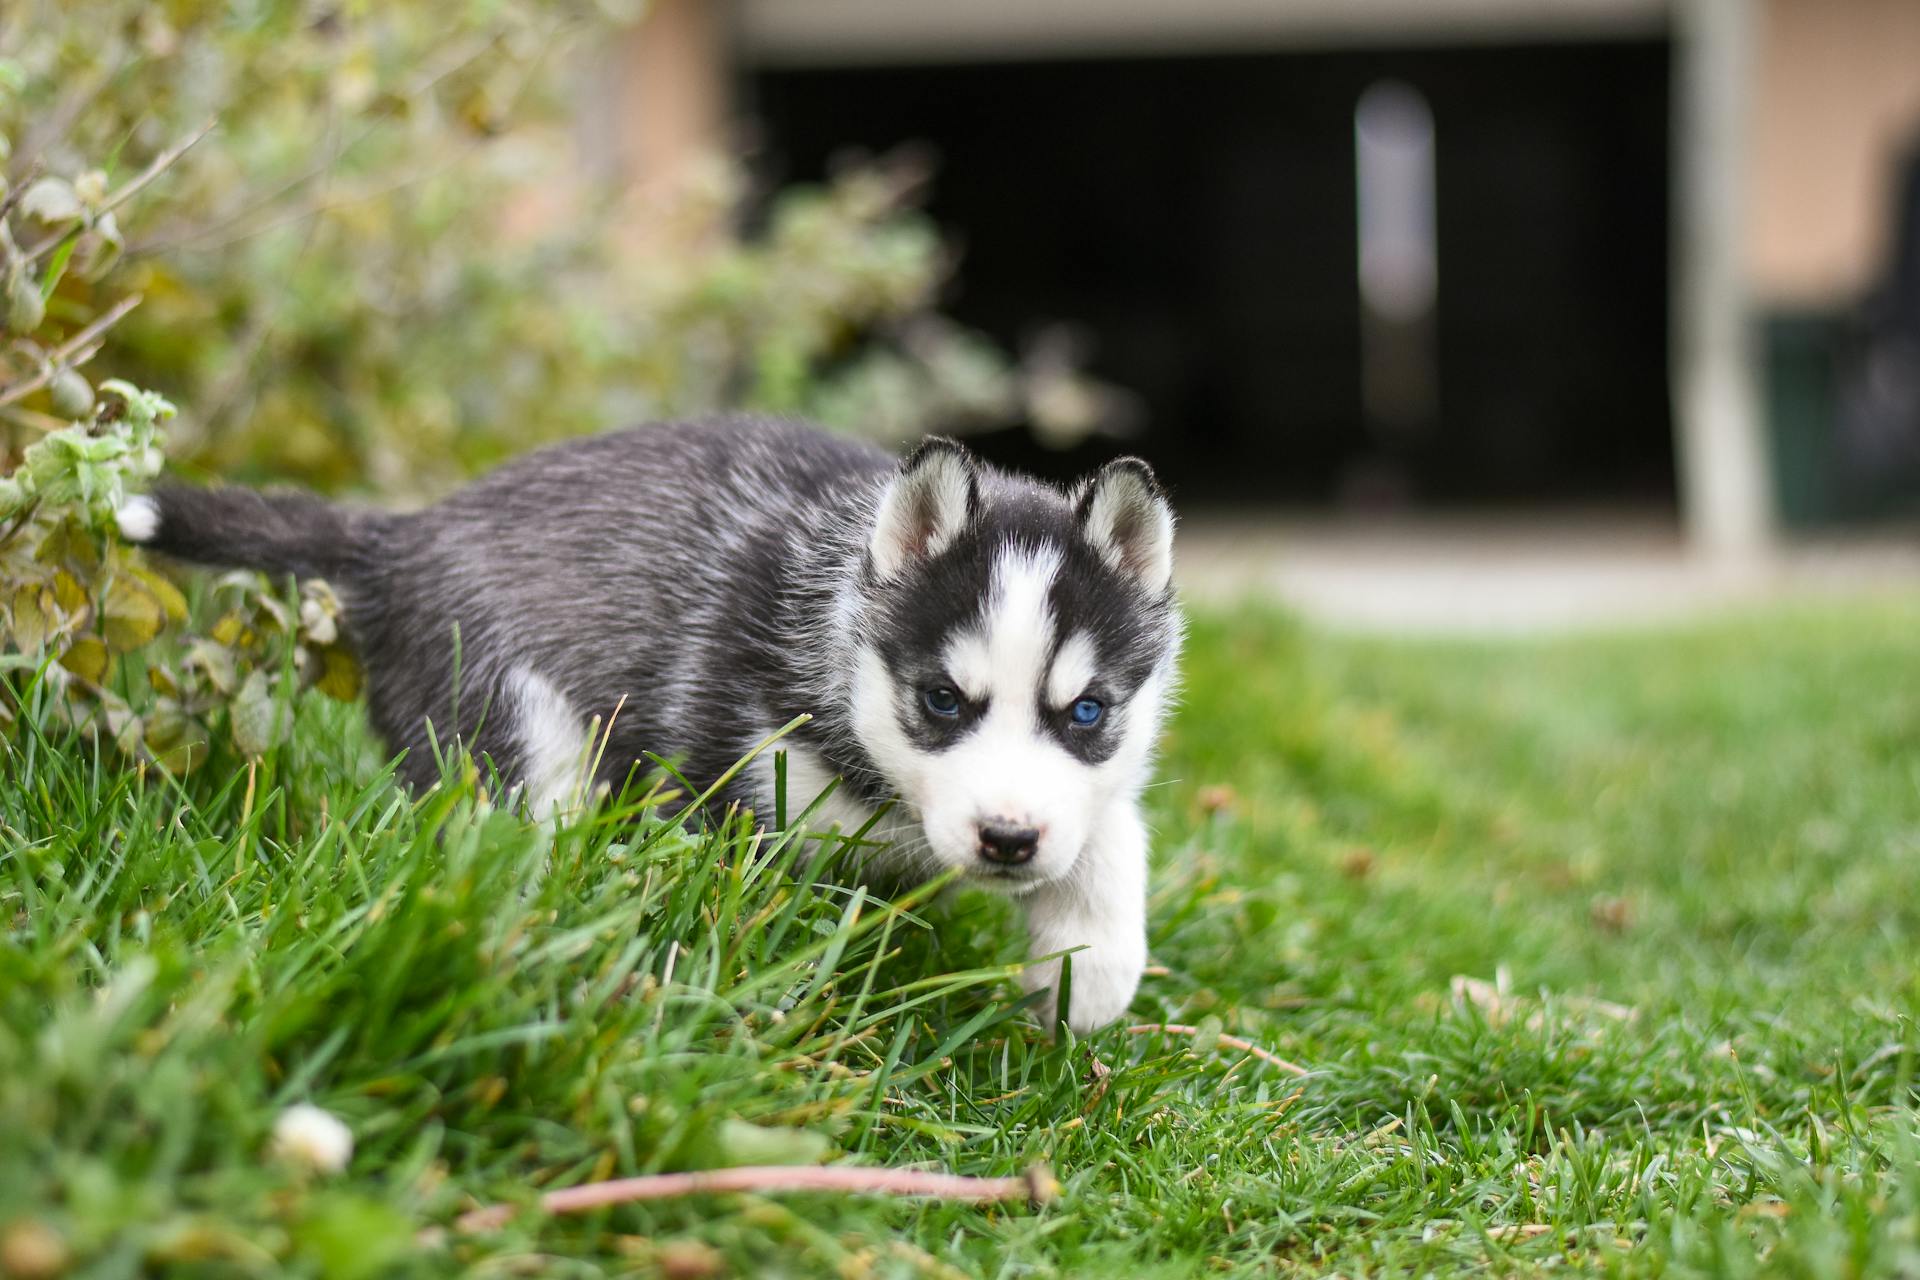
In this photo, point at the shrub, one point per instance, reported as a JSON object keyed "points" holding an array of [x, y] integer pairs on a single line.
{"points": [[350, 243]]}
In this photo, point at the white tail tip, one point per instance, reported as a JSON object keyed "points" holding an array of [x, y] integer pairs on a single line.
{"points": [[138, 518]]}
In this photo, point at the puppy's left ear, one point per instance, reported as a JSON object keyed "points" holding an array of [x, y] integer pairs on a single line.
{"points": [[1125, 515]]}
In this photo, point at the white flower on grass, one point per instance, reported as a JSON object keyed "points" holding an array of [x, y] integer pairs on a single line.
{"points": [[304, 1134]]}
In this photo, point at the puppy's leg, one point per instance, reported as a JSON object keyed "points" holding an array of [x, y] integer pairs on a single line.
{"points": [[553, 748], [1101, 907]]}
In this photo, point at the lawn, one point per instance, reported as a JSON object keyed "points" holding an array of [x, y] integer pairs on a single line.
{"points": [[1597, 953]]}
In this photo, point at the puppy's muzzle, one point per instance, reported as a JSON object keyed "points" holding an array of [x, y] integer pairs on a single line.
{"points": [[1008, 844]]}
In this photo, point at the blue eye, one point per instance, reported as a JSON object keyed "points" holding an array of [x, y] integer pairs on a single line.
{"points": [[1087, 712], [943, 701]]}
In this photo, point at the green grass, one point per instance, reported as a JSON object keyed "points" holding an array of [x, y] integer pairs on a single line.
{"points": [[1680, 869]]}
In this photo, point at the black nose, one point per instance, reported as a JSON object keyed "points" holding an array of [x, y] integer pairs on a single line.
{"points": [[1008, 844]]}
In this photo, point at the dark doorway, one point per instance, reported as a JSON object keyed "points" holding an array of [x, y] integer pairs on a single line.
{"points": [[1197, 215]]}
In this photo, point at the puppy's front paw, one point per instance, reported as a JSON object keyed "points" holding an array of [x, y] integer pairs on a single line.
{"points": [[1104, 980], [1101, 996], [1103, 913]]}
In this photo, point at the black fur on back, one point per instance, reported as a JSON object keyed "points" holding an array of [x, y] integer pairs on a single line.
{"points": [[650, 570], [701, 579]]}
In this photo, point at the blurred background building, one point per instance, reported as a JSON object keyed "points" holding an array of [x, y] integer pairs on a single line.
{"points": [[1394, 255]]}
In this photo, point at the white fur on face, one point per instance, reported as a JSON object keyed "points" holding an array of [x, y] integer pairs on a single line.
{"points": [[1009, 768], [1074, 668], [808, 778], [969, 665]]}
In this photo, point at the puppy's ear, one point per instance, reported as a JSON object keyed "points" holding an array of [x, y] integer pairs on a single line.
{"points": [[1126, 517], [924, 507]]}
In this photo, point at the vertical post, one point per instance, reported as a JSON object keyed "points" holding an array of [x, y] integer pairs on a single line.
{"points": [[1725, 487], [672, 90]]}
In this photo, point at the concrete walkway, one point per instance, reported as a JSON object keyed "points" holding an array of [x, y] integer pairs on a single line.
{"points": [[1517, 574]]}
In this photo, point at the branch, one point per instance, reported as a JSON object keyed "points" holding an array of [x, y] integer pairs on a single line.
{"points": [[1036, 1186], [460, 59], [19, 522], [33, 419], [19, 191], [64, 356], [161, 163], [1232, 1042]]}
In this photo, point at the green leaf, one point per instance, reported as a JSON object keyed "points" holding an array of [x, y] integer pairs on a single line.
{"points": [[104, 246], [25, 307], [56, 268], [143, 408], [72, 394], [215, 663], [742, 1143], [349, 1237], [258, 720]]}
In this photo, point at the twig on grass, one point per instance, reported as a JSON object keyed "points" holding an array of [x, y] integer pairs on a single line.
{"points": [[1232, 1042], [1036, 1187]]}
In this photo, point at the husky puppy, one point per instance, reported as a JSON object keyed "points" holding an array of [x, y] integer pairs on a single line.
{"points": [[990, 653]]}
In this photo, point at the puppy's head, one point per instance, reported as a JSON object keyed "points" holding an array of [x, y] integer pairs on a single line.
{"points": [[1015, 653]]}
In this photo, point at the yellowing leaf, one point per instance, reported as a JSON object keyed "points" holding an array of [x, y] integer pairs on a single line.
{"points": [[182, 758], [29, 621], [339, 674], [229, 630], [68, 593], [271, 616], [87, 658], [128, 739], [176, 743], [215, 663], [70, 543], [167, 725], [131, 616], [165, 592]]}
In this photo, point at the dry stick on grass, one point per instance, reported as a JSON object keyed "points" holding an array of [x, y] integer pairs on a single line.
{"points": [[1232, 1042], [69, 355], [1036, 1187]]}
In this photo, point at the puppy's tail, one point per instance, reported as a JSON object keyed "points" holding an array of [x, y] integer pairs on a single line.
{"points": [[281, 533]]}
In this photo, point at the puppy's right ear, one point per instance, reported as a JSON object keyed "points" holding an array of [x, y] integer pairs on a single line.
{"points": [[924, 507]]}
